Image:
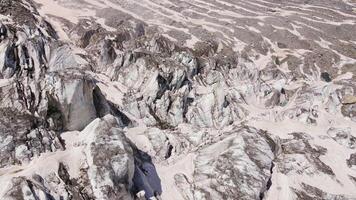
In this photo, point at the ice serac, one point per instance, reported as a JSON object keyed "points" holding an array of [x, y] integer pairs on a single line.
{"points": [[74, 97], [228, 99], [96, 164], [110, 159], [237, 167]]}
